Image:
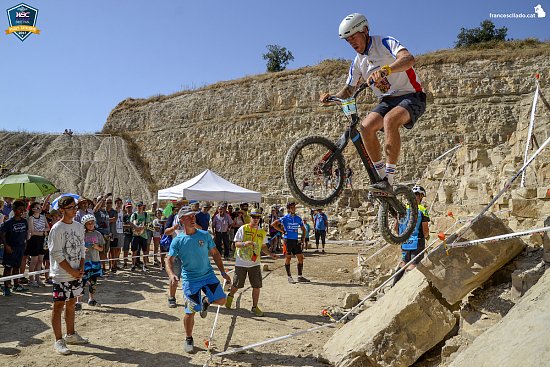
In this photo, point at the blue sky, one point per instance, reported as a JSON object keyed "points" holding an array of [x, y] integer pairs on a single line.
{"points": [[91, 55]]}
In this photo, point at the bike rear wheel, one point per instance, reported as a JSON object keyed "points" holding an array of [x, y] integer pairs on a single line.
{"points": [[310, 165], [390, 220]]}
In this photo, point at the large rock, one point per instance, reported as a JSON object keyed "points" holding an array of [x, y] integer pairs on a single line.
{"points": [[519, 339], [524, 208], [466, 268], [523, 280], [408, 321]]}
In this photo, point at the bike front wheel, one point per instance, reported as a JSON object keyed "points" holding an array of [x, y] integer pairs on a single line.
{"points": [[311, 167], [396, 220]]}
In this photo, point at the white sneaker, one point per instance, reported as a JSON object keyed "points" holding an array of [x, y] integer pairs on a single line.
{"points": [[75, 339], [61, 348], [188, 345], [291, 280]]}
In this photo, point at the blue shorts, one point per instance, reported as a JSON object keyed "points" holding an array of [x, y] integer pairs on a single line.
{"points": [[192, 295]]}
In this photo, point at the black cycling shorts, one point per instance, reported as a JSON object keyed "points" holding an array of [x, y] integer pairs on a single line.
{"points": [[292, 247], [415, 103]]}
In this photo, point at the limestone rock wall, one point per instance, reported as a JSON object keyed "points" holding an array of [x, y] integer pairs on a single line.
{"points": [[243, 129]]}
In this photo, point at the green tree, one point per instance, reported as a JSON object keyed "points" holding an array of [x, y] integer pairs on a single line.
{"points": [[277, 58], [486, 32]]}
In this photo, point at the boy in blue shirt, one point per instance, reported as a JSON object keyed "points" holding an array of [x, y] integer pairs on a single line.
{"points": [[288, 225], [13, 234], [192, 248]]}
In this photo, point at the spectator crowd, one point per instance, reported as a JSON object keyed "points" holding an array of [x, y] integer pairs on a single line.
{"points": [[71, 244], [131, 229]]}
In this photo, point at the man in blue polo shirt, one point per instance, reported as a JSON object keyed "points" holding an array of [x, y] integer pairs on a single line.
{"points": [[289, 225], [321, 224], [203, 217], [192, 248]]}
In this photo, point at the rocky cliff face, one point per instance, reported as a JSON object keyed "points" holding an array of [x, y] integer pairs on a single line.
{"points": [[243, 129], [85, 164]]}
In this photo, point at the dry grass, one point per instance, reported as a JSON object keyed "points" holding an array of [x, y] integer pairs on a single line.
{"points": [[498, 51]]}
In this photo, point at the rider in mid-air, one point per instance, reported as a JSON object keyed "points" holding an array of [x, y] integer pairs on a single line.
{"points": [[388, 68]]}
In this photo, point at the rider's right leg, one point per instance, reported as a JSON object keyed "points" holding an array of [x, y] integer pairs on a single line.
{"points": [[369, 128], [393, 121]]}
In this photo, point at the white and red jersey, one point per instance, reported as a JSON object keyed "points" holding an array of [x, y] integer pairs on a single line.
{"points": [[383, 51]]}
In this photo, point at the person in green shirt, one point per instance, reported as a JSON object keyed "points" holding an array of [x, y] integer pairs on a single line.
{"points": [[139, 221]]}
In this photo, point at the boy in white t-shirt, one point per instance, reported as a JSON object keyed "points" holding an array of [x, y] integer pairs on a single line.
{"points": [[67, 251]]}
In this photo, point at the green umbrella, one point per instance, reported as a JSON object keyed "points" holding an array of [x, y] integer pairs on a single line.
{"points": [[25, 186]]}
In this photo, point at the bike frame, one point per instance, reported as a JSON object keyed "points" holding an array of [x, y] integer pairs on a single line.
{"points": [[353, 133]]}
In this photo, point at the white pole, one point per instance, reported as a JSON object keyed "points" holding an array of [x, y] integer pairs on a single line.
{"points": [[530, 131]]}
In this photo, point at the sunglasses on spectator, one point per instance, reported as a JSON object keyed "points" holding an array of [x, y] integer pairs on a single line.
{"points": [[70, 207]]}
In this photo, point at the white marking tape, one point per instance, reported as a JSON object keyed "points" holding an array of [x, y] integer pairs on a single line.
{"points": [[373, 255], [48, 270], [498, 238]]}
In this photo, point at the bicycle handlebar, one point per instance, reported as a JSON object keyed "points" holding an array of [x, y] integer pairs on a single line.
{"points": [[361, 88]]}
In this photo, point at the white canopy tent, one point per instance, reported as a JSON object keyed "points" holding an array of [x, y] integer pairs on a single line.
{"points": [[209, 186]]}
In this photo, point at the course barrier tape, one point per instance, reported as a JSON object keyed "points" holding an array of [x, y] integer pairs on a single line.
{"points": [[104, 260], [373, 255], [501, 237], [38, 272]]}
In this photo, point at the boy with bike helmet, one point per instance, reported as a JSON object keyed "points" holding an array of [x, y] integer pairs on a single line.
{"points": [[94, 242], [417, 242], [388, 68]]}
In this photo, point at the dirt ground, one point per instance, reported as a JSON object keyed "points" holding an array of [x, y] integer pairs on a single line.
{"points": [[135, 327]]}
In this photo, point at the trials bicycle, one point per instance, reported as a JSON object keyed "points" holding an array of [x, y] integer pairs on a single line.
{"points": [[311, 161]]}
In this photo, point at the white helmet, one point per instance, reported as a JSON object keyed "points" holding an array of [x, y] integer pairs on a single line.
{"points": [[417, 189], [352, 24], [88, 217]]}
